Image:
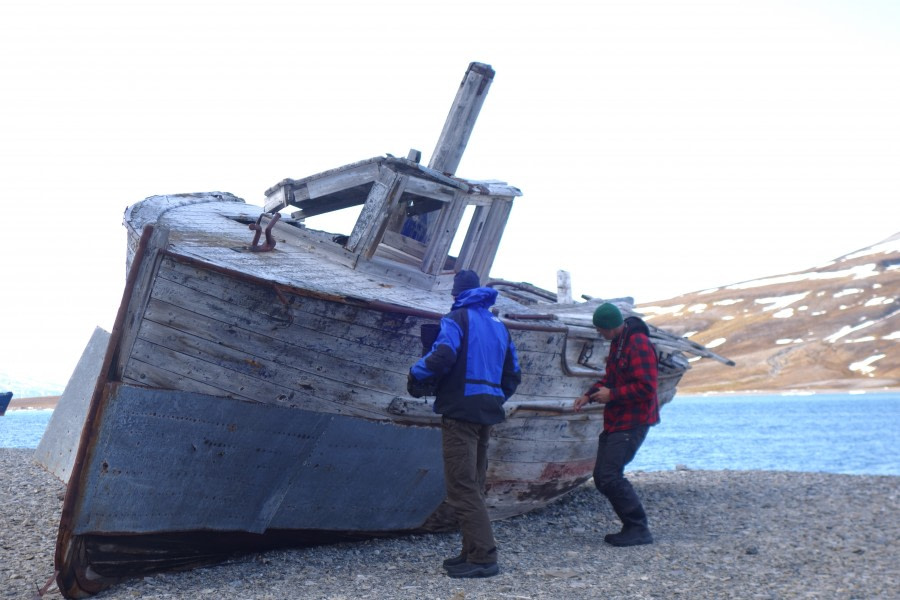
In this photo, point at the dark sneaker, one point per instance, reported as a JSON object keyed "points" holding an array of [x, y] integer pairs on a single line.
{"points": [[456, 560], [468, 570], [629, 537]]}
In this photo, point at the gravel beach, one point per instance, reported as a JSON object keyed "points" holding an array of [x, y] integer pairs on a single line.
{"points": [[719, 534]]}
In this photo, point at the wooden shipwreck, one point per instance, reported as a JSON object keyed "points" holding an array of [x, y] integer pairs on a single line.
{"points": [[253, 390]]}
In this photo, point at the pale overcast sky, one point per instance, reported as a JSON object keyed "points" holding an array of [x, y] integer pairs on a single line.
{"points": [[662, 146]]}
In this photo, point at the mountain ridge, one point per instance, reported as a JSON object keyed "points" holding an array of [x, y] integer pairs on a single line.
{"points": [[28, 387], [833, 327]]}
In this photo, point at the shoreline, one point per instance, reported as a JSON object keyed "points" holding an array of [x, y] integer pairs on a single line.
{"points": [[718, 534], [34, 403], [50, 402]]}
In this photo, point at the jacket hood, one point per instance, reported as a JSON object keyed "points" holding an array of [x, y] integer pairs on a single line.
{"points": [[475, 297], [636, 325]]}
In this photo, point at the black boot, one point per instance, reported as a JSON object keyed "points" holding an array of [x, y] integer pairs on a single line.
{"points": [[455, 561], [634, 529], [468, 570]]}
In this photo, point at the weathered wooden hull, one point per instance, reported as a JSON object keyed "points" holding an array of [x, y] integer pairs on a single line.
{"points": [[253, 391], [241, 414]]}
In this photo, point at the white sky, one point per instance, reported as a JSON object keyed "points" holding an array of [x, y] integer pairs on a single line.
{"points": [[662, 146]]}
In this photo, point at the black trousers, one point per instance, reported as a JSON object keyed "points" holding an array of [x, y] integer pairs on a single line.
{"points": [[614, 451]]}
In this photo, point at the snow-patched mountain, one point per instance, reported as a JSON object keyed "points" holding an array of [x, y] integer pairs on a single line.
{"points": [[832, 327], [28, 388]]}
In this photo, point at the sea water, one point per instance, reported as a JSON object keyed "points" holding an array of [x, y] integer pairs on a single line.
{"points": [[831, 433], [23, 428]]}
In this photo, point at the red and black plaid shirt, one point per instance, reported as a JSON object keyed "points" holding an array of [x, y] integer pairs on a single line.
{"points": [[631, 378]]}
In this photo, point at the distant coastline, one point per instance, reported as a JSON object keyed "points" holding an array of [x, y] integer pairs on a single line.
{"points": [[39, 403], [788, 392]]}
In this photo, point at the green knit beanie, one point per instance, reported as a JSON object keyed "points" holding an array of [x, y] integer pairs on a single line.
{"points": [[607, 316]]}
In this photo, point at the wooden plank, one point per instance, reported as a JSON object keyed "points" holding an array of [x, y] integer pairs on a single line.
{"points": [[258, 309], [394, 255], [404, 244], [461, 120], [544, 451], [278, 199], [564, 287], [359, 323], [492, 188], [299, 240], [294, 191], [264, 298], [427, 188], [342, 179], [315, 353], [149, 375], [267, 390], [470, 242], [254, 369], [360, 320], [489, 242], [401, 274], [374, 212], [292, 263], [153, 210], [441, 235], [141, 293], [395, 247], [391, 206], [263, 313], [574, 427]]}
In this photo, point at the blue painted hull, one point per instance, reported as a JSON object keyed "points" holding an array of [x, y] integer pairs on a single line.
{"points": [[167, 461]]}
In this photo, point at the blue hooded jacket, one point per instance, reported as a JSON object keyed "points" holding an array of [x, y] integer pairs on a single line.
{"points": [[473, 361]]}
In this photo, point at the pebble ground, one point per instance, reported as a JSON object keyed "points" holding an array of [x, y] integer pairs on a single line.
{"points": [[719, 534]]}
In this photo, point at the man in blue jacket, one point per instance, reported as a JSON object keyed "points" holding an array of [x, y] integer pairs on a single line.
{"points": [[473, 369]]}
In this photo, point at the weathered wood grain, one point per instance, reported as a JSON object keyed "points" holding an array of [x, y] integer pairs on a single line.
{"points": [[140, 292], [461, 121], [441, 234]]}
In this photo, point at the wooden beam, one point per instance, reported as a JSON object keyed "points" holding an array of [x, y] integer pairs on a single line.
{"points": [[461, 119], [140, 292], [441, 234], [470, 243], [296, 192], [489, 241], [370, 225], [430, 189], [404, 244]]}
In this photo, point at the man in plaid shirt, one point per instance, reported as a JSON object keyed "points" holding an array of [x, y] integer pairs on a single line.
{"points": [[628, 393]]}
